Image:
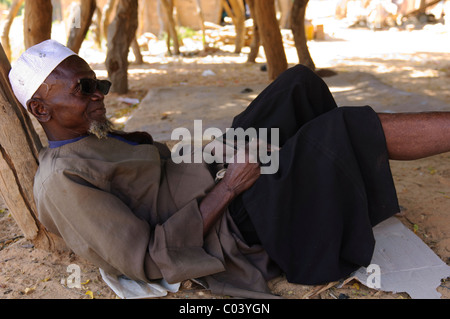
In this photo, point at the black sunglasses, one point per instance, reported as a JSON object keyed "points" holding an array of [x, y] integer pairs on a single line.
{"points": [[90, 86]]}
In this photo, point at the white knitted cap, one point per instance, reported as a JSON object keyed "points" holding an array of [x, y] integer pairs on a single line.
{"points": [[34, 66]]}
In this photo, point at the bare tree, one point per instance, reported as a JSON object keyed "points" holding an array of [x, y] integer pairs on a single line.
{"points": [[168, 9], [236, 11], [38, 21], [96, 26], [298, 30], [13, 11], [202, 21], [121, 32], [106, 15], [137, 52], [256, 41], [285, 7], [81, 22], [271, 39]]}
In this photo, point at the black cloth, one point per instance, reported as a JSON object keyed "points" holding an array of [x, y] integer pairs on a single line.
{"points": [[315, 215]]}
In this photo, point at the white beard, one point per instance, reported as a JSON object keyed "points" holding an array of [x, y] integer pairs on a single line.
{"points": [[101, 129]]}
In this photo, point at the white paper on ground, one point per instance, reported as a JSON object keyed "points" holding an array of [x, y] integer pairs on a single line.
{"points": [[405, 262], [131, 289]]}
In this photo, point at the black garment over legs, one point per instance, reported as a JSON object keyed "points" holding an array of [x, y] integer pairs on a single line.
{"points": [[315, 215]]}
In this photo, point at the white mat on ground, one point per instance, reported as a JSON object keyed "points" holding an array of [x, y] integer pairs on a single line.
{"points": [[405, 264], [130, 289]]}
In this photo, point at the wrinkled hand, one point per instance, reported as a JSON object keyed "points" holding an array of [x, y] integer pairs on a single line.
{"points": [[242, 172]]}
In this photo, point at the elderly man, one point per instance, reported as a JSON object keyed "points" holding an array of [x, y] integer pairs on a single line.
{"points": [[119, 200]]}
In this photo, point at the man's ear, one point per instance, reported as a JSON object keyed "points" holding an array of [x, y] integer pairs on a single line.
{"points": [[38, 109]]}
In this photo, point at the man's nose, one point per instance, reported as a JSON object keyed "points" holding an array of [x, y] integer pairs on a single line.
{"points": [[97, 95]]}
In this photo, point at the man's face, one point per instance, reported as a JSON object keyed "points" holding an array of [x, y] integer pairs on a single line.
{"points": [[70, 112]]}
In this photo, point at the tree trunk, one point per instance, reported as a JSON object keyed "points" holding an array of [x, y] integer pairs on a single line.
{"points": [[236, 10], [285, 9], [96, 27], [19, 147], [239, 23], [202, 21], [270, 37], [107, 10], [38, 21], [170, 26], [80, 24], [13, 11], [341, 9], [121, 32], [256, 41], [422, 8], [137, 52], [298, 30], [57, 10]]}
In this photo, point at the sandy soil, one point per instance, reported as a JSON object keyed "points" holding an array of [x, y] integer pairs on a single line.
{"points": [[383, 67]]}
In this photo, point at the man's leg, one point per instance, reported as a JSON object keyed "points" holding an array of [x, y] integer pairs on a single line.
{"points": [[411, 136], [296, 97]]}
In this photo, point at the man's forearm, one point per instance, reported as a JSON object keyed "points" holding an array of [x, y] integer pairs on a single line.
{"points": [[239, 177], [214, 204]]}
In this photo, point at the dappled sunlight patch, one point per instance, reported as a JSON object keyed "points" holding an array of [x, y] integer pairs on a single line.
{"points": [[336, 89], [142, 73], [424, 73]]}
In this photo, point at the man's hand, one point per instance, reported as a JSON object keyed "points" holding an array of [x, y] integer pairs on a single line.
{"points": [[240, 176], [242, 172]]}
